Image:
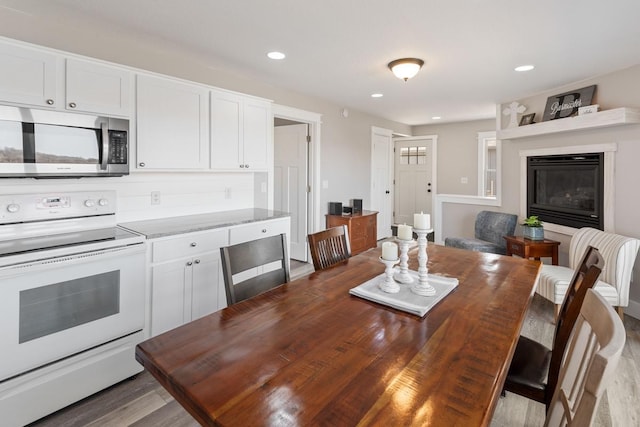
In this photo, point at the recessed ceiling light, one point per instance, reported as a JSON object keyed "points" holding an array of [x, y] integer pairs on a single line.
{"points": [[377, 95], [525, 68], [436, 118], [276, 55]]}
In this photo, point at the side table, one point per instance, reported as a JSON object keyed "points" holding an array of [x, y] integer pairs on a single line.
{"points": [[527, 248]]}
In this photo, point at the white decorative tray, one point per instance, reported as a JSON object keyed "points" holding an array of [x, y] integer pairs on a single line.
{"points": [[406, 300]]}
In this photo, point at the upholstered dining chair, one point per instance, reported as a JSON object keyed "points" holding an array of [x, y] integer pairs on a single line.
{"points": [[591, 359], [490, 229], [534, 368], [619, 253], [257, 258], [329, 247]]}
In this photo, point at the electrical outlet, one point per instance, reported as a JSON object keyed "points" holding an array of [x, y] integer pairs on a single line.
{"points": [[155, 197], [464, 180]]}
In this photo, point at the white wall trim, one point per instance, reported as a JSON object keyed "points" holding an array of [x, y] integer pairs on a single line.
{"points": [[441, 199], [387, 133], [315, 122], [608, 149]]}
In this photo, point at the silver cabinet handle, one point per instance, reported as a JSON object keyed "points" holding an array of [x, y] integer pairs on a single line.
{"points": [[50, 101], [197, 261], [242, 166], [246, 166], [72, 105], [194, 244], [264, 230], [141, 165], [189, 263]]}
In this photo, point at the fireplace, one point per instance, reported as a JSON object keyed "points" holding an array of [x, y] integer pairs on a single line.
{"points": [[567, 189]]}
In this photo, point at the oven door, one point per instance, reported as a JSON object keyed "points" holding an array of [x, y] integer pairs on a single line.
{"points": [[58, 307]]}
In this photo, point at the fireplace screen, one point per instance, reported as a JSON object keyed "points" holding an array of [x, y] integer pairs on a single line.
{"points": [[566, 189]]}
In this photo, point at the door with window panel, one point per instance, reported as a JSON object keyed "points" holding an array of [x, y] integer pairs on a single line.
{"points": [[413, 178]]}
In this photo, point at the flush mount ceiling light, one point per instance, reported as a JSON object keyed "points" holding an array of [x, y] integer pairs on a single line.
{"points": [[377, 95], [406, 68], [276, 55]]}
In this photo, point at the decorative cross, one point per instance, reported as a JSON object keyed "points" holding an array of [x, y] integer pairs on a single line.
{"points": [[513, 109]]}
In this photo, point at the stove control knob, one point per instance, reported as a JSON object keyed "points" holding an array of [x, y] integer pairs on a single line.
{"points": [[13, 208], [103, 202], [89, 203]]}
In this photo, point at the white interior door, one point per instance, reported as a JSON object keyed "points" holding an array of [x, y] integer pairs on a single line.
{"points": [[290, 183], [381, 184], [414, 186]]}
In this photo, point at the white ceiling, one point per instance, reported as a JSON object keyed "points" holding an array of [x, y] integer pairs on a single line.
{"points": [[339, 49]]}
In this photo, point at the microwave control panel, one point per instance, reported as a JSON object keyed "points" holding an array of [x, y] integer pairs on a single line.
{"points": [[118, 147]]}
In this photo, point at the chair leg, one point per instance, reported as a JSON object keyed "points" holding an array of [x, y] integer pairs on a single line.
{"points": [[620, 312]]}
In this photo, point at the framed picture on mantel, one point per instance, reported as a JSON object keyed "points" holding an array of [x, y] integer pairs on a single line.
{"points": [[567, 104]]}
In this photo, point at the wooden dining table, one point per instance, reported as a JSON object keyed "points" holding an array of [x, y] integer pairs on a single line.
{"points": [[308, 353]]}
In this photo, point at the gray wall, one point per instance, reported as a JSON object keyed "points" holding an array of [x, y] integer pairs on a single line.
{"points": [[346, 153], [457, 153]]}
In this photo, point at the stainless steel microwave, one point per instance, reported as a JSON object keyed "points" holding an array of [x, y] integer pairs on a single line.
{"points": [[51, 144]]}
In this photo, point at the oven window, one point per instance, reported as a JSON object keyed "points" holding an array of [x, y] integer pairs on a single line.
{"points": [[60, 144], [53, 308], [11, 150]]}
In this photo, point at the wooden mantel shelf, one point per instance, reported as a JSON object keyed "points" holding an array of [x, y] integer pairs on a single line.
{"points": [[614, 117]]}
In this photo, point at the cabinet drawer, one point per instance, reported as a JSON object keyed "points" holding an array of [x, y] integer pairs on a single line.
{"points": [[258, 230], [189, 244]]}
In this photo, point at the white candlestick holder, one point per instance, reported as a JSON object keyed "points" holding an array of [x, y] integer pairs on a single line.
{"points": [[388, 284], [422, 286], [403, 275]]}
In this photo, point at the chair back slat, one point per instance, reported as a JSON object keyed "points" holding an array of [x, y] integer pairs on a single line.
{"points": [[329, 247], [249, 255]]}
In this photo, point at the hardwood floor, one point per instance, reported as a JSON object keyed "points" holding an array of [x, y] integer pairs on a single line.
{"points": [[141, 402]]}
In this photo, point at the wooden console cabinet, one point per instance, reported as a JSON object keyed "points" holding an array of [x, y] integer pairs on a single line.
{"points": [[362, 229]]}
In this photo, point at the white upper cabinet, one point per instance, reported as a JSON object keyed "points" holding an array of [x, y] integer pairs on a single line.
{"points": [[172, 124], [97, 88], [37, 78], [28, 76], [240, 132]]}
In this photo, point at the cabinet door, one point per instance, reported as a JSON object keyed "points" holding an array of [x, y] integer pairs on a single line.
{"points": [[27, 76], [258, 128], [172, 125], [97, 88], [168, 295], [206, 283], [226, 131]]}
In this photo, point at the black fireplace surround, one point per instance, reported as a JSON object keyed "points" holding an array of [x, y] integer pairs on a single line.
{"points": [[567, 189]]}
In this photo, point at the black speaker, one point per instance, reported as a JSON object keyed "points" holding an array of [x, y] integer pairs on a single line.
{"points": [[357, 205], [335, 208], [347, 210]]}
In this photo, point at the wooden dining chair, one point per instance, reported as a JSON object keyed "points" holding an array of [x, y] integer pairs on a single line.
{"points": [[591, 358], [329, 247], [535, 368], [259, 255]]}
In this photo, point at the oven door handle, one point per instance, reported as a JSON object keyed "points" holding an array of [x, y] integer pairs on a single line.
{"points": [[105, 146]]}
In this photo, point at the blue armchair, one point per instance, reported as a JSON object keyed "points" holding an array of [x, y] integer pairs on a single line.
{"points": [[490, 228]]}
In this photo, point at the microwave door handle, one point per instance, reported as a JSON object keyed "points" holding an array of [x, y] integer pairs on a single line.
{"points": [[105, 146]]}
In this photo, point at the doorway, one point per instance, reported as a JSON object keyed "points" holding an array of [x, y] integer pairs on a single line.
{"points": [[295, 178], [414, 171], [290, 180]]}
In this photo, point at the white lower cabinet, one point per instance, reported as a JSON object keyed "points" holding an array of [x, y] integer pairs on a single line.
{"points": [[186, 271], [186, 278]]}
